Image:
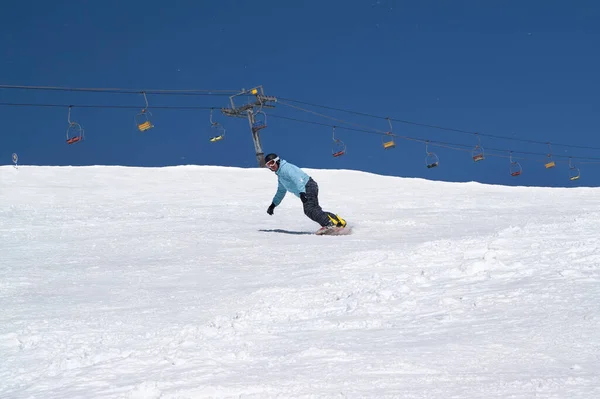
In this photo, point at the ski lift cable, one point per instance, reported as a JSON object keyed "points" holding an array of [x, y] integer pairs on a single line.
{"points": [[114, 90], [199, 92], [467, 147], [332, 118], [449, 129], [175, 107]]}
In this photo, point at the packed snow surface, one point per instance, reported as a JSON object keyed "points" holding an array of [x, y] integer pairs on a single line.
{"points": [[174, 282]]}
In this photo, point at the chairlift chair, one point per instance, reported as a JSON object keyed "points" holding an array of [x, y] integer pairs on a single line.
{"points": [[220, 134], [478, 154], [74, 130], [515, 168], [260, 121], [74, 134], [142, 120], [388, 142], [550, 164], [339, 148], [218, 131], [431, 159], [574, 172]]}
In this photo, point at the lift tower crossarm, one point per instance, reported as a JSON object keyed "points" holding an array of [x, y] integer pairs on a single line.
{"points": [[248, 110]]}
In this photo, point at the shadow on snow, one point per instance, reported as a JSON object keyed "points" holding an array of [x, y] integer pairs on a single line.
{"points": [[287, 231]]}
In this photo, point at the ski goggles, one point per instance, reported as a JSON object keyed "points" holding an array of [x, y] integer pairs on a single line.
{"points": [[272, 162]]}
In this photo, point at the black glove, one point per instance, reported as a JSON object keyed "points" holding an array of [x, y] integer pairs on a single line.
{"points": [[303, 198], [271, 209]]}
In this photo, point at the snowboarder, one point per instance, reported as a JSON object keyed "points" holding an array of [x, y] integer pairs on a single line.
{"points": [[293, 179]]}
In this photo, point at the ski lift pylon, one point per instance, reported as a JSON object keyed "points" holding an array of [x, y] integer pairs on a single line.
{"points": [[388, 138], [550, 163], [574, 172], [478, 154], [431, 160], [74, 130], [515, 168], [339, 148], [142, 120], [217, 129]]}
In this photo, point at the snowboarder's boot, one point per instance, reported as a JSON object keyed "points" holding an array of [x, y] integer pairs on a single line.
{"points": [[337, 221]]}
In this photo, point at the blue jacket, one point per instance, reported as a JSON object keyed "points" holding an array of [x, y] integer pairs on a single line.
{"points": [[289, 178]]}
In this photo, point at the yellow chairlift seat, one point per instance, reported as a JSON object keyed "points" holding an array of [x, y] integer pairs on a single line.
{"points": [[388, 142], [145, 126], [217, 130]]}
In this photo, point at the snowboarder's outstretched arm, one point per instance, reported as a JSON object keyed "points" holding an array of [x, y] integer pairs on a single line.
{"points": [[280, 194]]}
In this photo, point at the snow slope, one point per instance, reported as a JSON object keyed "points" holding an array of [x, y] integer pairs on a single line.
{"points": [[174, 283]]}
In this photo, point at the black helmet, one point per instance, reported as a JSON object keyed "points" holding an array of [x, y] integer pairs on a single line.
{"points": [[271, 157]]}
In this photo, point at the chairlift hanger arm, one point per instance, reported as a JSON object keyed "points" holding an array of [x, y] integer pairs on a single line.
{"points": [[145, 99]]}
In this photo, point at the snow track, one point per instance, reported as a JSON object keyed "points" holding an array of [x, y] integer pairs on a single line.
{"points": [[175, 283]]}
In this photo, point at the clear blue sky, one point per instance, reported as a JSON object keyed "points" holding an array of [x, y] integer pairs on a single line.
{"points": [[520, 69]]}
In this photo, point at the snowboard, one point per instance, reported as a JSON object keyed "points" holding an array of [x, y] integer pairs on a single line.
{"points": [[335, 231]]}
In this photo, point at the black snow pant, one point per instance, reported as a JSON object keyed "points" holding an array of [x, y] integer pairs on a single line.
{"points": [[312, 209]]}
